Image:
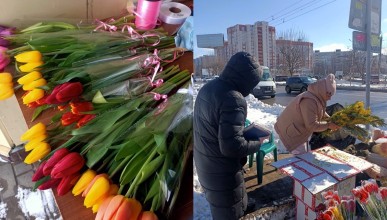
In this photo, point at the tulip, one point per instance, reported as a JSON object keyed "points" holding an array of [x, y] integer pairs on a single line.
{"points": [[68, 165], [29, 77], [69, 118], [79, 107], [38, 153], [39, 172], [103, 207], [147, 215], [85, 119], [37, 103], [29, 67], [34, 84], [36, 130], [33, 96], [67, 183], [83, 182], [121, 208], [6, 91], [69, 92], [65, 92], [33, 144], [113, 190], [5, 77], [29, 57], [54, 159], [4, 32], [51, 183], [99, 189], [4, 58]]}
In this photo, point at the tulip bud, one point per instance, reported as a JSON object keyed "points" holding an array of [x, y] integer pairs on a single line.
{"points": [[80, 107], [51, 183], [69, 118], [29, 67], [98, 190], [33, 96], [102, 208], [33, 144], [38, 153], [39, 172], [69, 91], [6, 92], [88, 187], [28, 57], [34, 75], [85, 119], [5, 77], [4, 58], [37, 129], [67, 183], [147, 215], [68, 165], [83, 182], [51, 98], [54, 159], [122, 208], [34, 84]]}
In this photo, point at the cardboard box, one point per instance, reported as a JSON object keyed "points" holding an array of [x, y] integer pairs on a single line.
{"points": [[25, 13], [319, 171]]}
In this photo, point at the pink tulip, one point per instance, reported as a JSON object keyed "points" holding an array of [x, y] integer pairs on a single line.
{"points": [[4, 58]]}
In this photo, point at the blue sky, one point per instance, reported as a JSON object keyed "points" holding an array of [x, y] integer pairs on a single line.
{"points": [[323, 22]]}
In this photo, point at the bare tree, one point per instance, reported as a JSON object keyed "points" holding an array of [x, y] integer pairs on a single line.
{"points": [[216, 67], [290, 53], [358, 64]]}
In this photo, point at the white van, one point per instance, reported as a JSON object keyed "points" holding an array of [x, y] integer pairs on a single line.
{"points": [[266, 86]]}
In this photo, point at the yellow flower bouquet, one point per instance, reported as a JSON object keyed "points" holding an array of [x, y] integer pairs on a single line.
{"points": [[352, 116]]}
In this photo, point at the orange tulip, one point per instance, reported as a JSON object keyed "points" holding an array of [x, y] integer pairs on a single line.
{"points": [[147, 215], [122, 208]]}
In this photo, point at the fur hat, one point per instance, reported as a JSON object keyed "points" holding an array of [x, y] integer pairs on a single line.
{"points": [[330, 83]]}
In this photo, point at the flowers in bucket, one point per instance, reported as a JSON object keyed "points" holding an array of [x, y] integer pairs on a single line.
{"points": [[372, 198], [336, 207], [354, 115]]}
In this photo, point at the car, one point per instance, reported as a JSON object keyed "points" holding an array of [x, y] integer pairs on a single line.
{"points": [[266, 86], [298, 83]]}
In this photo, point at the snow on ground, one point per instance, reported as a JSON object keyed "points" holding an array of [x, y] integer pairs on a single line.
{"points": [[3, 208]]}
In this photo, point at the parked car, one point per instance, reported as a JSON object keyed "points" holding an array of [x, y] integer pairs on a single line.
{"points": [[298, 83], [266, 86]]}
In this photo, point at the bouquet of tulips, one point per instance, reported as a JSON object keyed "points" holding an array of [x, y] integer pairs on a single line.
{"points": [[336, 207], [121, 134], [354, 115], [372, 198]]}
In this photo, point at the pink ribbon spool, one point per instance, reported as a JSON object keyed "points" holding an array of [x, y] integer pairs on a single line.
{"points": [[147, 13]]}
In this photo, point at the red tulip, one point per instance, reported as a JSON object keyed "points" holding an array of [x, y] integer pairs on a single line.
{"points": [[51, 99], [67, 183], [54, 159], [68, 165], [69, 91], [85, 119], [51, 183], [39, 172], [80, 107], [69, 118]]}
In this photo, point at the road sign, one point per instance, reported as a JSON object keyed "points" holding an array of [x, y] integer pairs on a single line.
{"points": [[358, 12], [359, 42], [357, 15]]}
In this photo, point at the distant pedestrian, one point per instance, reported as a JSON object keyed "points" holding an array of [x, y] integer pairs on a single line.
{"points": [[219, 146], [306, 114]]}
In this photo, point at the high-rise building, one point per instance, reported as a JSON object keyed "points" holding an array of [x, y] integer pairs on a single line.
{"points": [[257, 39]]}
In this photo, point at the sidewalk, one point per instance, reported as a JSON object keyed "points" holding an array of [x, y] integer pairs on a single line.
{"points": [[17, 201]]}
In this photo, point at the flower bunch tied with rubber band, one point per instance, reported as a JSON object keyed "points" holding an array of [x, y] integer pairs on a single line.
{"points": [[353, 118], [336, 207]]}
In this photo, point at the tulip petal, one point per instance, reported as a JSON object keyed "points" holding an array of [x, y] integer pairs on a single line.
{"points": [[54, 159], [39, 172], [29, 56], [34, 75], [29, 67], [113, 207], [5, 77], [99, 189], [38, 153], [103, 207], [83, 182], [68, 165], [37, 129], [33, 96], [67, 183], [148, 215]]}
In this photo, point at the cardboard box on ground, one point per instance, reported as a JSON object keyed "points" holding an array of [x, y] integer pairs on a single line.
{"points": [[23, 13], [323, 169]]}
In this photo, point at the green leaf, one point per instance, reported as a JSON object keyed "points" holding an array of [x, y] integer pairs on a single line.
{"points": [[133, 167], [39, 110], [98, 98], [154, 189], [41, 181], [56, 118], [95, 155], [151, 168]]}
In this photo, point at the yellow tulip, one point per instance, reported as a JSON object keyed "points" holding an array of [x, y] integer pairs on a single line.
{"points": [[32, 145], [34, 84], [6, 92], [82, 183], [98, 190], [38, 153], [29, 56], [5, 77], [29, 67], [36, 130], [33, 96], [113, 190], [29, 77]]}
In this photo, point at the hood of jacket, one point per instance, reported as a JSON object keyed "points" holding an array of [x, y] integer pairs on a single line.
{"points": [[243, 72]]}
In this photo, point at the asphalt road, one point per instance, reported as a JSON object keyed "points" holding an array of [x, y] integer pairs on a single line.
{"points": [[378, 100]]}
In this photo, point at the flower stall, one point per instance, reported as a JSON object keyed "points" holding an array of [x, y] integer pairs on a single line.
{"points": [[109, 108]]}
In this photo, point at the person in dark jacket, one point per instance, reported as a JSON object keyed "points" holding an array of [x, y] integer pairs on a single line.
{"points": [[220, 112]]}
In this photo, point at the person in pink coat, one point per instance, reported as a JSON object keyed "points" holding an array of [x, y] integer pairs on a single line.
{"points": [[306, 114]]}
